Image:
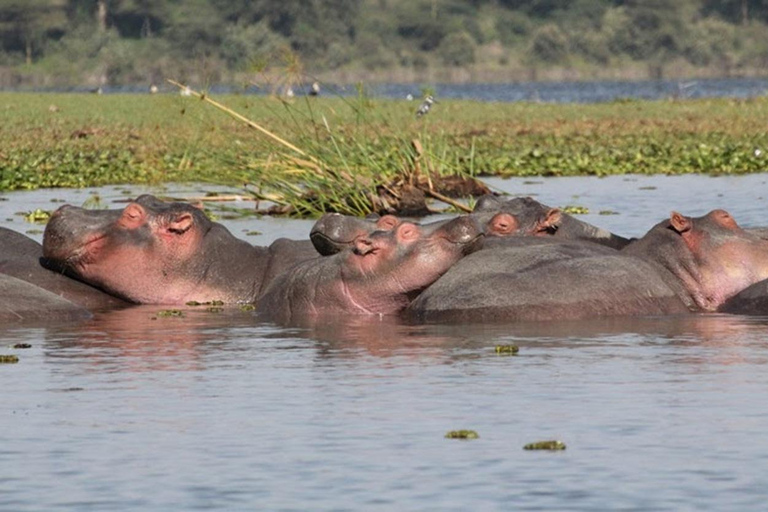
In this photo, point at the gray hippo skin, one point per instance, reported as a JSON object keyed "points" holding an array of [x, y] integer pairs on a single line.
{"points": [[22, 258], [520, 279], [22, 302], [154, 252], [335, 232], [529, 217], [380, 275], [683, 264], [751, 301], [707, 259]]}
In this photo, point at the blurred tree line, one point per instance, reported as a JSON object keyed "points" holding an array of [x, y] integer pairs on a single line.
{"points": [[132, 41]]}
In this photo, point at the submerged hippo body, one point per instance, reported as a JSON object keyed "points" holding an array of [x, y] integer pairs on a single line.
{"points": [[683, 264], [542, 279], [154, 252], [21, 301], [20, 257], [380, 275], [529, 217]]}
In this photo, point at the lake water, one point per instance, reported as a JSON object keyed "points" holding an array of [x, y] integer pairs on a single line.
{"points": [[549, 92], [222, 411]]}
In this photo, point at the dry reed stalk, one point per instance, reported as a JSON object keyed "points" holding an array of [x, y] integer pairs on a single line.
{"points": [[240, 117]]}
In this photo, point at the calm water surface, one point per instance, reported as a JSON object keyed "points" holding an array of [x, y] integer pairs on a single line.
{"points": [[549, 92], [221, 411]]}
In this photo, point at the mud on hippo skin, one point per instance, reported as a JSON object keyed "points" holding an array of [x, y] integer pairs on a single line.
{"points": [[524, 216], [154, 252], [379, 275], [22, 258]]}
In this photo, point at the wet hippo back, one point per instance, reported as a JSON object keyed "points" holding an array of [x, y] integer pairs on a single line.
{"points": [[21, 301], [20, 257], [543, 279], [751, 301]]}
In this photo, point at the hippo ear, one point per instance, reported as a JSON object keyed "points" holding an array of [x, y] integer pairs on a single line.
{"points": [[387, 222], [181, 223], [133, 216], [407, 232], [680, 222], [551, 220], [502, 224]]}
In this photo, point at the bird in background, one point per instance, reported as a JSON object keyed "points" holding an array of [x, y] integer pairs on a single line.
{"points": [[425, 106]]}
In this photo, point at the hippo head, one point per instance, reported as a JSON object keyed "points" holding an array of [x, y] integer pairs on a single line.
{"points": [[521, 216], [149, 252], [724, 258], [385, 270], [335, 232]]}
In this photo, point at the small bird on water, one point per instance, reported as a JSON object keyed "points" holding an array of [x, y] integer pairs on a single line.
{"points": [[425, 106]]}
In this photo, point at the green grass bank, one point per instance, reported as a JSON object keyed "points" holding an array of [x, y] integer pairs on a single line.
{"points": [[352, 147]]}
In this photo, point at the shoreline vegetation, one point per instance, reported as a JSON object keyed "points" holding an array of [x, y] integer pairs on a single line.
{"points": [[98, 43], [361, 154]]}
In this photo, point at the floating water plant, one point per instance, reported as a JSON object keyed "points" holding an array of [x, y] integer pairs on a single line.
{"points": [[209, 303], [37, 216], [575, 210], [507, 349], [462, 434], [553, 445], [21, 345], [9, 359], [247, 307], [167, 313]]}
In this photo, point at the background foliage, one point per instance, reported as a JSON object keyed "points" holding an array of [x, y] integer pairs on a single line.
{"points": [[68, 42]]}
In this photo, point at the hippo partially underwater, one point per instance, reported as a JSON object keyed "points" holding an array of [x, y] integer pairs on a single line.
{"points": [[524, 261], [681, 265]]}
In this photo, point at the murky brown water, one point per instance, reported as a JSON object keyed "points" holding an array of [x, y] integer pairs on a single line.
{"points": [[222, 411]]}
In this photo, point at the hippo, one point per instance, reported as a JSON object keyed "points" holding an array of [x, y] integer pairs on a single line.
{"points": [[153, 252], [21, 302], [526, 216], [380, 275], [22, 258], [542, 278], [681, 265], [335, 232], [706, 259]]}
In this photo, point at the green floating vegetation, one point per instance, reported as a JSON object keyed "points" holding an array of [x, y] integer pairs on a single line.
{"points": [[575, 210], [167, 313], [21, 345], [553, 445], [209, 303], [356, 155], [607, 212], [247, 307], [214, 309], [507, 349], [253, 233], [9, 359], [462, 434], [37, 216], [34, 231]]}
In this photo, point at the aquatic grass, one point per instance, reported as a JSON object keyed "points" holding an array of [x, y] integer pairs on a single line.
{"points": [[364, 145]]}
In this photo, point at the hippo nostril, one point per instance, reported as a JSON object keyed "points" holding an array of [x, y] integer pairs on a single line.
{"points": [[363, 246]]}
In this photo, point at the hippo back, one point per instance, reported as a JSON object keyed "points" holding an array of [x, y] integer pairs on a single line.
{"points": [[21, 302], [545, 281]]}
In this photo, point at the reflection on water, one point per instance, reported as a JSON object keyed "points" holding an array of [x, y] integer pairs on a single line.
{"points": [[219, 410]]}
